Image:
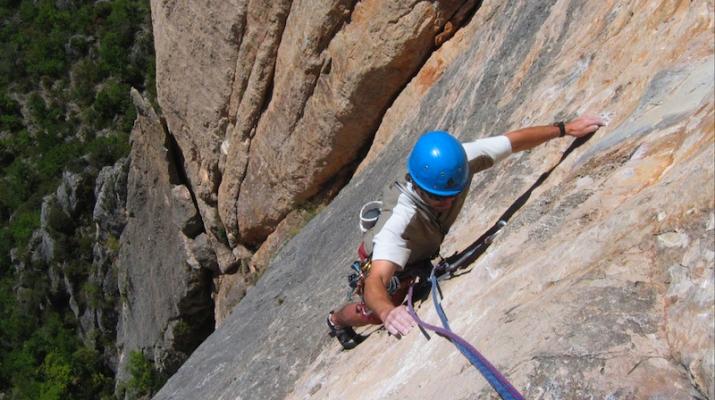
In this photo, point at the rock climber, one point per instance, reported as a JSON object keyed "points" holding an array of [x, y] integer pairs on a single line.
{"points": [[417, 214]]}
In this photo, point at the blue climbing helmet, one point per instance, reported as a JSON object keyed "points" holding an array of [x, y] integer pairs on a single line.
{"points": [[438, 164]]}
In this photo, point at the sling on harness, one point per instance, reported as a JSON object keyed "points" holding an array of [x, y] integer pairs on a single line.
{"points": [[356, 279], [360, 269]]}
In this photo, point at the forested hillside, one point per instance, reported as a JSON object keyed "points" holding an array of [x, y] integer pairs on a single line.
{"points": [[66, 68]]}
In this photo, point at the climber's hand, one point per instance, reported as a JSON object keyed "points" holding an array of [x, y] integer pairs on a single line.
{"points": [[398, 321], [583, 126]]}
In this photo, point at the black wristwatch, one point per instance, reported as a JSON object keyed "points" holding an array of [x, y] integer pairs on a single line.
{"points": [[562, 128]]}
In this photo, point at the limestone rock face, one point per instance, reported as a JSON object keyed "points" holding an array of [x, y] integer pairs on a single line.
{"points": [[110, 192], [196, 60], [271, 104], [270, 101], [165, 304], [77, 256], [319, 118], [601, 284], [72, 194], [110, 217]]}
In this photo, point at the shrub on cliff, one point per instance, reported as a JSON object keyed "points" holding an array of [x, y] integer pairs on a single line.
{"points": [[144, 379]]}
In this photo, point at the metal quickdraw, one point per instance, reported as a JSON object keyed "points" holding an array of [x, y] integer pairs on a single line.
{"points": [[356, 278]]}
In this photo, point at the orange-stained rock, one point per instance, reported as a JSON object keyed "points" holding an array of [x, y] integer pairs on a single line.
{"points": [[196, 55], [268, 102], [335, 74]]}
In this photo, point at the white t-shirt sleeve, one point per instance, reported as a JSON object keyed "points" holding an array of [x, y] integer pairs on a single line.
{"points": [[497, 148], [390, 244]]}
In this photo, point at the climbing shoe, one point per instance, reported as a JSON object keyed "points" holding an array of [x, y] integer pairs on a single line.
{"points": [[347, 337]]}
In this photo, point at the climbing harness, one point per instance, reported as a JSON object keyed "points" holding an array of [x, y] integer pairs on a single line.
{"points": [[358, 272], [369, 214], [500, 384], [356, 279]]}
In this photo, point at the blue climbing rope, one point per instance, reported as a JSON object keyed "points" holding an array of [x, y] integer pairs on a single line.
{"points": [[502, 386]]}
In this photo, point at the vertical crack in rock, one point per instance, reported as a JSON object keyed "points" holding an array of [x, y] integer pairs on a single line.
{"points": [[196, 56], [166, 304], [260, 86], [238, 31], [318, 63], [177, 171], [252, 92], [340, 13]]}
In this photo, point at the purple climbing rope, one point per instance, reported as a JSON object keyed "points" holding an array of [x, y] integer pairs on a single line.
{"points": [[490, 373]]}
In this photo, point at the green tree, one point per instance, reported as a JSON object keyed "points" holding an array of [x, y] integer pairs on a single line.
{"points": [[56, 377], [113, 98], [144, 379], [10, 115]]}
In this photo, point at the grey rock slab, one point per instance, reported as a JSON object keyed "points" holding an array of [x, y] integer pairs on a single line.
{"points": [[110, 192], [159, 291]]}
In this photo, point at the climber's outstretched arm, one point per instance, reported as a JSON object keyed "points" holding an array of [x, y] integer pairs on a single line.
{"points": [[528, 138]]}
